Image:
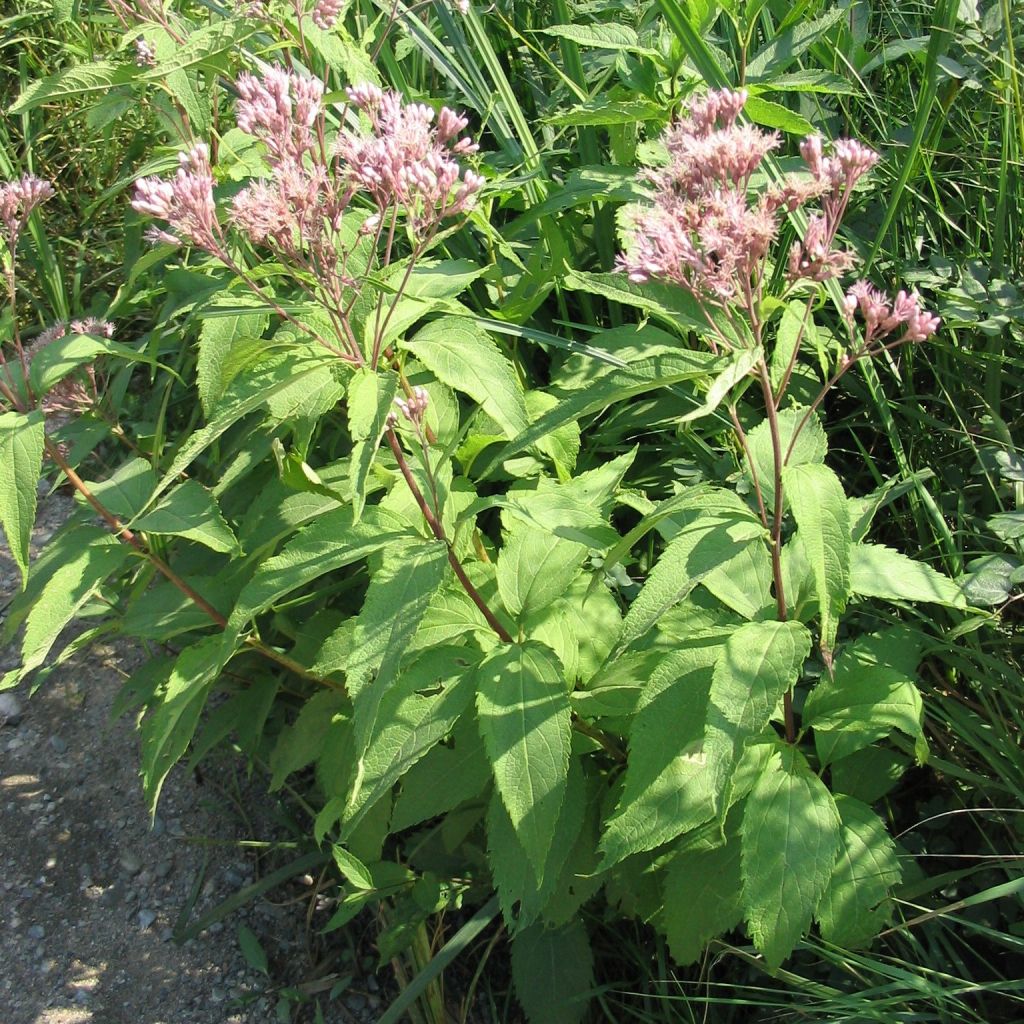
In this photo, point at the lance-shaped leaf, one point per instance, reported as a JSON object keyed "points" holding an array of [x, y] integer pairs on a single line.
{"points": [[398, 596], [760, 662], [822, 515], [668, 787], [809, 447], [190, 511], [872, 691], [526, 727], [854, 906], [702, 899], [707, 538], [791, 839], [330, 542], [222, 340], [740, 363], [21, 459], [465, 358], [878, 571], [553, 969], [534, 568], [370, 399]]}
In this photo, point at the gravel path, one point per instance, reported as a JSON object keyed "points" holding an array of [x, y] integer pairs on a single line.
{"points": [[90, 892]]}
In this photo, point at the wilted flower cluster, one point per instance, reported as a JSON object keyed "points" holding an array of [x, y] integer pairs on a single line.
{"points": [[145, 55]]}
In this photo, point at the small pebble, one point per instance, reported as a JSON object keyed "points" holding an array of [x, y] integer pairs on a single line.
{"points": [[146, 918], [130, 863], [82, 996], [10, 710], [163, 868], [35, 932], [59, 744]]}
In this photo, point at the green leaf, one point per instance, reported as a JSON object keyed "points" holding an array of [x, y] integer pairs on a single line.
{"points": [[608, 112], [878, 571], [791, 839], [616, 385], [72, 82], [535, 568], [522, 899], [759, 663], [52, 363], [444, 778], [868, 774], [525, 723], [819, 506], [370, 400], [126, 491], [744, 583], [668, 788], [301, 743], [352, 869], [708, 537], [775, 115], [739, 365], [854, 906], [601, 37], [811, 446], [255, 955], [330, 542], [22, 436], [221, 339], [794, 327], [168, 729], [465, 358], [553, 970], [66, 590], [871, 692], [399, 593], [190, 511], [785, 47], [702, 899]]}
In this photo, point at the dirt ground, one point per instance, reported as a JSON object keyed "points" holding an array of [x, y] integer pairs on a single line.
{"points": [[90, 890]]}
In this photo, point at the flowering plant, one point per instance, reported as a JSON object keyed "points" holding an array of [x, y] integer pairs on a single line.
{"points": [[383, 546]]}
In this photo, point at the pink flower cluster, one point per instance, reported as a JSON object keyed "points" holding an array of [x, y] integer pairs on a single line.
{"points": [[408, 160], [325, 13], [71, 395], [17, 201], [704, 232], [185, 201], [881, 316]]}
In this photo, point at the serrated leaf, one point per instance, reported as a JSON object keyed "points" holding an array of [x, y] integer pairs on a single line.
{"points": [[738, 366], [65, 592], [220, 339], [416, 711], [465, 358], [744, 583], [126, 491], [22, 437], [785, 47], [71, 82], [616, 385], [600, 37], [759, 663], [707, 538], [352, 868], [852, 909], [608, 112], [819, 507], [300, 743], [868, 774], [190, 511], [330, 542], [168, 729], [522, 899], [775, 115], [702, 899], [399, 593], [55, 361], [536, 568], [878, 571], [370, 399], [668, 788], [553, 970], [254, 953], [525, 724], [793, 328], [871, 692], [810, 448], [790, 842]]}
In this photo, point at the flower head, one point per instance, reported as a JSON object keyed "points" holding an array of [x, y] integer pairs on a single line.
{"points": [[882, 316], [325, 13], [184, 201], [19, 198]]}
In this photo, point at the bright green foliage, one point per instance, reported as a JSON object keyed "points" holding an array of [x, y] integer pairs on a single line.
{"points": [[791, 839], [819, 508], [190, 511], [852, 909], [878, 571], [524, 721], [21, 458]]}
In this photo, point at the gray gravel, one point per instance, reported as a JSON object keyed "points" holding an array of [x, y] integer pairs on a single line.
{"points": [[90, 889]]}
